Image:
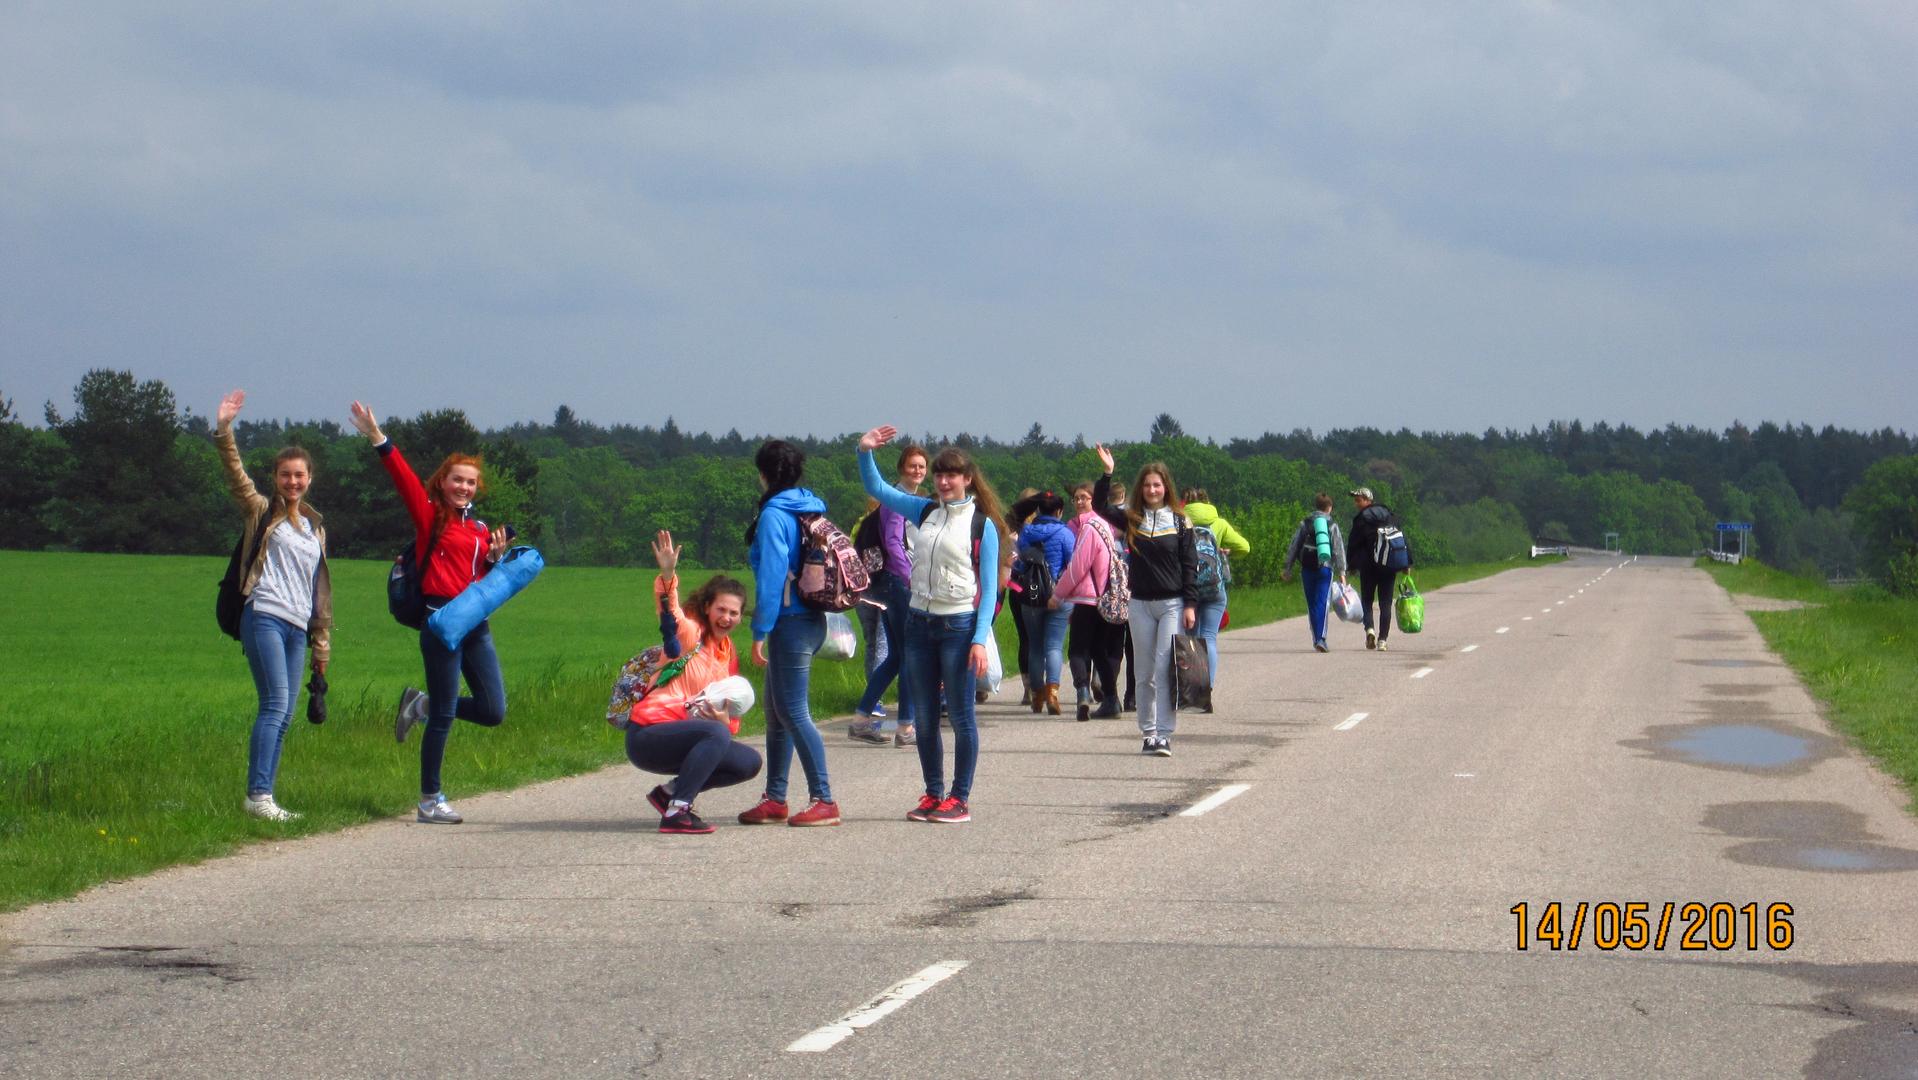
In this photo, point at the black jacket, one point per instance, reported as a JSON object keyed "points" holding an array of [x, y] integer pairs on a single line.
{"points": [[1363, 536]]}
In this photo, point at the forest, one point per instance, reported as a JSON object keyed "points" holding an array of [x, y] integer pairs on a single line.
{"points": [[125, 468]]}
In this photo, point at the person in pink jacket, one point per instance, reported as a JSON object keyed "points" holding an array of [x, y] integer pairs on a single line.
{"points": [[1093, 644]]}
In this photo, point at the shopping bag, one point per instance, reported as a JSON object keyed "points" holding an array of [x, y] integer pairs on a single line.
{"points": [[1345, 603], [1191, 679], [1410, 606], [840, 642], [995, 668]]}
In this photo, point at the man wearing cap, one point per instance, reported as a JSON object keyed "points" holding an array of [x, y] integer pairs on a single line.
{"points": [[1375, 581]]}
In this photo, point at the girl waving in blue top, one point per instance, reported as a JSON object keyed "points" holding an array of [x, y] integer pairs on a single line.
{"points": [[786, 634], [949, 613]]}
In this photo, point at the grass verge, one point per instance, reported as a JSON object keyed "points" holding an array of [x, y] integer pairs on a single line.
{"points": [[1854, 651]]}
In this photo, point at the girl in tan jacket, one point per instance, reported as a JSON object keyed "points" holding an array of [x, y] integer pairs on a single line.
{"points": [[289, 598]]}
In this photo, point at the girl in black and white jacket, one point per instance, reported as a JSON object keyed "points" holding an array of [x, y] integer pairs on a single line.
{"points": [[1164, 565]]}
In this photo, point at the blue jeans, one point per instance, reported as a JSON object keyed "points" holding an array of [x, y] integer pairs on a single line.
{"points": [[1045, 643], [474, 659], [1210, 616], [273, 650], [1318, 591], [789, 727], [939, 651], [895, 595]]}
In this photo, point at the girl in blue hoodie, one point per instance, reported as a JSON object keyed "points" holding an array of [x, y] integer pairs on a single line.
{"points": [[786, 634], [949, 615], [1046, 537]]}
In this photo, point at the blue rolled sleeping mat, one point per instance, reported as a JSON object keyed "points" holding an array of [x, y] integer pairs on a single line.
{"points": [[477, 602]]}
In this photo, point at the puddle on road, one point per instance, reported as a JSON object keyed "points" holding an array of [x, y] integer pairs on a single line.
{"points": [[1731, 663], [1819, 837], [1759, 744], [1745, 745]]}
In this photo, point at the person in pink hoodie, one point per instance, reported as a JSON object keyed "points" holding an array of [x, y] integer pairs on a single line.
{"points": [[1094, 643]]}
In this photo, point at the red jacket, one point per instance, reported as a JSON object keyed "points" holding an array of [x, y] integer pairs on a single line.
{"points": [[460, 555]]}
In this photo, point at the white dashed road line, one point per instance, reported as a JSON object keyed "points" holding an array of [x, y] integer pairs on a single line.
{"points": [[1423, 672], [1468, 648], [873, 1011], [1351, 721], [1215, 800], [1503, 630]]}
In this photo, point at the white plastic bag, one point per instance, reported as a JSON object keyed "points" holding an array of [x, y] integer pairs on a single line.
{"points": [[1345, 602], [995, 668], [841, 642]]}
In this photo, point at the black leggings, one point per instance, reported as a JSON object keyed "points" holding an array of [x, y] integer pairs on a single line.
{"points": [[1375, 583], [1093, 644], [699, 754]]}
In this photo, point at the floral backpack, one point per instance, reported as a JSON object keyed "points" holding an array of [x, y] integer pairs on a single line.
{"points": [[640, 676], [1115, 601]]}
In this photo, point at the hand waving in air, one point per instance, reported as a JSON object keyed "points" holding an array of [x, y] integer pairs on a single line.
{"points": [[1105, 457], [878, 437], [665, 554], [367, 425], [230, 406]]}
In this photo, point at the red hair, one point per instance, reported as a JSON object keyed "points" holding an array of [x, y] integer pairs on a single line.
{"points": [[434, 484]]}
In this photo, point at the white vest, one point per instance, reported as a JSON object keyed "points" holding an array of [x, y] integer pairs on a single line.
{"points": [[942, 579]]}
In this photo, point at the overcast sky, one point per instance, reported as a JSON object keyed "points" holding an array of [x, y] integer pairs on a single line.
{"points": [[969, 216]]}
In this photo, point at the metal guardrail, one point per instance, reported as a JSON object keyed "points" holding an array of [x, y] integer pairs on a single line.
{"points": [[1731, 557], [1559, 550]]}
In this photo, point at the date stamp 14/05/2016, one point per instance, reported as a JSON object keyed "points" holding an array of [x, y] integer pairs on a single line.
{"points": [[1688, 926]]}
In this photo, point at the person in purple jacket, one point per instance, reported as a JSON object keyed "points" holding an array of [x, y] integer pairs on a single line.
{"points": [[892, 587]]}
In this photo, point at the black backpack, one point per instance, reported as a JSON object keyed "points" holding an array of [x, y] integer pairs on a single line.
{"points": [[869, 542], [230, 605], [404, 597], [1035, 576]]}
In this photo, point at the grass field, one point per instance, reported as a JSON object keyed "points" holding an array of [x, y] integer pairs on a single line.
{"points": [[1856, 650], [124, 712]]}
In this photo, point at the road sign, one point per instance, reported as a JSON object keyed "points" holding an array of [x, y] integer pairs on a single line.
{"points": [[1734, 526]]}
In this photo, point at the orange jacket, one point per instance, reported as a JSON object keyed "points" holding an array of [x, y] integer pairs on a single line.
{"points": [[715, 660]]}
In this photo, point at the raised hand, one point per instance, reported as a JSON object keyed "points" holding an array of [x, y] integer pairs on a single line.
{"points": [[665, 554], [1105, 457], [878, 437], [230, 406], [367, 425]]}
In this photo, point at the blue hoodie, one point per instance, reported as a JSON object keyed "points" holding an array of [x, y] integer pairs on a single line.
{"points": [[1047, 532], [775, 557]]}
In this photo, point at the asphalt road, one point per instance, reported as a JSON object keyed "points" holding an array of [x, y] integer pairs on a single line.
{"points": [[1600, 732]]}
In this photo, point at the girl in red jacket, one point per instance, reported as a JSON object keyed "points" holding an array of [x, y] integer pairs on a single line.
{"points": [[459, 548]]}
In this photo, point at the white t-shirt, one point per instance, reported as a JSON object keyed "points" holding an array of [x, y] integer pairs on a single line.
{"points": [[285, 588]]}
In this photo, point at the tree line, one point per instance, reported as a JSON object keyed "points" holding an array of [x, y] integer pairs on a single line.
{"points": [[127, 470]]}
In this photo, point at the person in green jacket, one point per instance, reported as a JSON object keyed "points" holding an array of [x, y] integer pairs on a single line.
{"points": [[1200, 511]]}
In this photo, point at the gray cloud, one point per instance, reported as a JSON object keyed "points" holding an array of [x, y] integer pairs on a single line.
{"points": [[969, 217]]}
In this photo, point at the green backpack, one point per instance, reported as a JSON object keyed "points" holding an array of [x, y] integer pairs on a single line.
{"points": [[1410, 606]]}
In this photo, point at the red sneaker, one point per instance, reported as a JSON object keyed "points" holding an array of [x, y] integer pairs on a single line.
{"points": [[764, 812], [951, 812], [819, 812], [927, 804]]}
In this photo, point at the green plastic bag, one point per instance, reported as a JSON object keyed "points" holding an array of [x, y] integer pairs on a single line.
{"points": [[1409, 608]]}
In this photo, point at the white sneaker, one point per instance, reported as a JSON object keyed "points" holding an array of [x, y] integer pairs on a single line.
{"points": [[437, 811], [263, 806]]}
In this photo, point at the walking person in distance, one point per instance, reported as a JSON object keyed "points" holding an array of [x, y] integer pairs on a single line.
{"points": [[1320, 554], [1375, 580]]}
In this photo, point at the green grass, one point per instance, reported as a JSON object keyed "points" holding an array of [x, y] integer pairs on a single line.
{"points": [[124, 713], [1855, 652]]}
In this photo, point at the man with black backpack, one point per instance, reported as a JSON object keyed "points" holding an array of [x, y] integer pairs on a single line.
{"points": [[1374, 547], [1320, 553]]}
